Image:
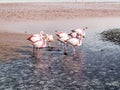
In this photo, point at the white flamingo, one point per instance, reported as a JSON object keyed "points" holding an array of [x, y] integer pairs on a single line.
{"points": [[38, 42]]}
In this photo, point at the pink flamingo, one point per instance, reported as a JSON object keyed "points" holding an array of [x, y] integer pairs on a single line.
{"points": [[38, 42], [49, 39], [74, 42], [63, 37]]}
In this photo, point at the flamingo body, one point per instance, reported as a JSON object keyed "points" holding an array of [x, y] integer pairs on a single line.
{"points": [[75, 42], [63, 39], [50, 38], [61, 34], [38, 41]]}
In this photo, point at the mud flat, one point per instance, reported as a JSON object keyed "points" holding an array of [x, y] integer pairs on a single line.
{"points": [[13, 46]]}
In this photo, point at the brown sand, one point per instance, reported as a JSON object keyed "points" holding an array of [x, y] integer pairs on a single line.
{"points": [[15, 46], [28, 11]]}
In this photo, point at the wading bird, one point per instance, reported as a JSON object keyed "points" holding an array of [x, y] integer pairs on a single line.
{"points": [[62, 37], [49, 39], [74, 42], [38, 42]]}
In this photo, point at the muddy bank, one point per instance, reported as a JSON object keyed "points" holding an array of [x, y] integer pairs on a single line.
{"points": [[13, 46], [112, 35]]}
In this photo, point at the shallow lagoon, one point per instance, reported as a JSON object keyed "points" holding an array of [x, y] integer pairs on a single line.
{"points": [[96, 66]]}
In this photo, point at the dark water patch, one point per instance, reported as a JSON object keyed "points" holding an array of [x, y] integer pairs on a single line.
{"points": [[112, 35]]}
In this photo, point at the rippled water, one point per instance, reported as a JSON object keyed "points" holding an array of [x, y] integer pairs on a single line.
{"points": [[96, 67]]}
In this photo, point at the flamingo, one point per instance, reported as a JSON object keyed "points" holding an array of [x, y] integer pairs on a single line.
{"points": [[74, 42], [38, 42], [80, 31], [62, 37], [49, 39]]}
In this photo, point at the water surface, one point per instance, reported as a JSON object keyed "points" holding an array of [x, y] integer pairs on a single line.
{"points": [[96, 66]]}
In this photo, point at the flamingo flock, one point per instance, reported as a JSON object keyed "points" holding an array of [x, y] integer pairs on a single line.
{"points": [[42, 40]]}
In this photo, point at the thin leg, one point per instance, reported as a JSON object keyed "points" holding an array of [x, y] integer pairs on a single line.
{"points": [[33, 51], [58, 46], [64, 48], [38, 53], [74, 51], [49, 45]]}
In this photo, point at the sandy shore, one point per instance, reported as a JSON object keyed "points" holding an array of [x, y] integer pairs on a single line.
{"points": [[45, 11], [15, 46]]}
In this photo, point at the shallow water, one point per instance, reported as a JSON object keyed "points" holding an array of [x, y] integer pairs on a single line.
{"points": [[96, 66]]}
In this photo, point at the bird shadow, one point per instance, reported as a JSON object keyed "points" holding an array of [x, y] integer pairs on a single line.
{"points": [[26, 50], [52, 48]]}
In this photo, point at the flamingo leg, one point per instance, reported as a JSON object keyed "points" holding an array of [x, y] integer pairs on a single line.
{"points": [[33, 51], [38, 53], [64, 48], [49, 44], [74, 51], [58, 49]]}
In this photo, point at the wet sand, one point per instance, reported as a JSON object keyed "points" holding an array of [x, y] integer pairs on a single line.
{"points": [[96, 66], [13, 46]]}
